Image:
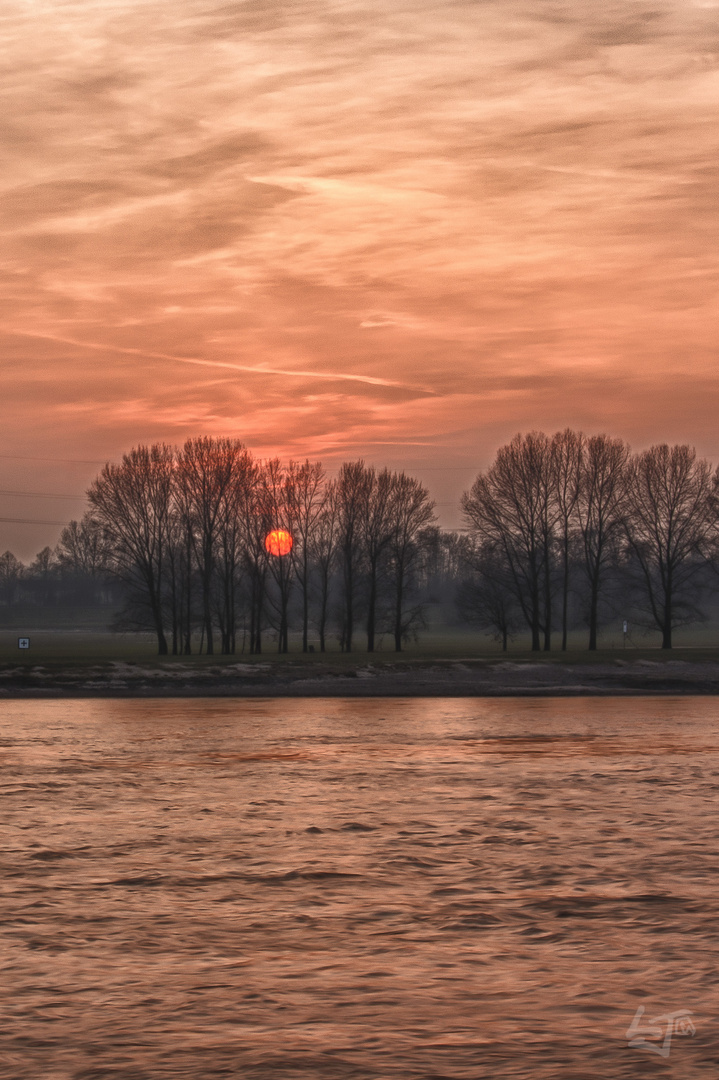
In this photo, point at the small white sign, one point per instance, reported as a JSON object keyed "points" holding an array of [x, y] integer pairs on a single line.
{"points": [[23, 643], [625, 626]]}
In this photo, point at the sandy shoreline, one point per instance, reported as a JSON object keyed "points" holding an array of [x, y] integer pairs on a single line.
{"points": [[445, 678]]}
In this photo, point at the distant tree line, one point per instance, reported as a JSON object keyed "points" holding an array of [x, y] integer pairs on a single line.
{"points": [[562, 532], [579, 520], [72, 577]]}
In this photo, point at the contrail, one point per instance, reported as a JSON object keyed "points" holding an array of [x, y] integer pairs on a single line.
{"points": [[371, 380]]}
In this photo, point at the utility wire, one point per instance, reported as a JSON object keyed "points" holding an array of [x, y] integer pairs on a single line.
{"points": [[64, 460], [31, 521], [42, 495], [95, 461]]}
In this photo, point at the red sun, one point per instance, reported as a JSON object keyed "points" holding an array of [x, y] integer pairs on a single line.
{"points": [[278, 542]]}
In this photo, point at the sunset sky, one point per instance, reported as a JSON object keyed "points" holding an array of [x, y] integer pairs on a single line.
{"points": [[396, 229]]}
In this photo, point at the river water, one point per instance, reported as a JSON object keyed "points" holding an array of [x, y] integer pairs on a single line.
{"points": [[384, 889]]}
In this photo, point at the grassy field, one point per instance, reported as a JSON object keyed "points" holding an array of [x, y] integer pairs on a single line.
{"points": [[83, 647]]}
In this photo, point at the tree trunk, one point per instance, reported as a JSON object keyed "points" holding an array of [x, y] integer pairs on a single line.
{"points": [[208, 631], [371, 606], [398, 611], [323, 610], [547, 604], [667, 621], [349, 615], [206, 598], [156, 608], [305, 612], [593, 613], [256, 598], [536, 644], [565, 592], [283, 642], [252, 618]]}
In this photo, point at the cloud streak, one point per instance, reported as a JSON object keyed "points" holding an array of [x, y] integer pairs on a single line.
{"points": [[334, 376]]}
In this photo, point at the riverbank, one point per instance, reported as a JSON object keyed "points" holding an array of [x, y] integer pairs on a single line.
{"points": [[410, 678]]}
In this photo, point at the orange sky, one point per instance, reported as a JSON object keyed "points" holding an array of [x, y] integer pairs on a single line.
{"points": [[401, 230]]}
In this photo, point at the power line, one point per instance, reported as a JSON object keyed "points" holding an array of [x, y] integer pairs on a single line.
{"points": [[88, 461], [426, 468], [42, 495], [445, 468], [70, 461], [31, 521]]}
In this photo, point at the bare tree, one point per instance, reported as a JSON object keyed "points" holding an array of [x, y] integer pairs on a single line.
{"points": [[179, 587], [566, 456], [411, 513], [11, 572], [668, 526], [83, 547], [42, 574], [257, 525], [324, 544], [377, 529], [231, 541], [257, 521], [601, 511], [304, 496], [485, 594], [352, 493], [275, 507], [132, 502], [206, 469], [510, 507]]}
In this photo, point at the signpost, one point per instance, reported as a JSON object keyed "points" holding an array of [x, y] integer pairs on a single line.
{"points": [[23, 643], [624, 632]]}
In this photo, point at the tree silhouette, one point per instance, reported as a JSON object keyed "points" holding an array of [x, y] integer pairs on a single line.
{"points": [[668, 526], [132, 502]]}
